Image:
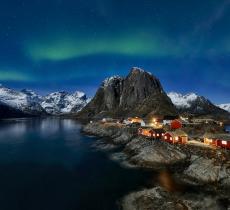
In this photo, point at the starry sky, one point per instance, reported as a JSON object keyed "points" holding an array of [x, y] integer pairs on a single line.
{"points": [[50, 45]]}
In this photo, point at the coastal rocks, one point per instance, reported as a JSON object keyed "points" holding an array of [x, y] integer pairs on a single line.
{"points": [[208, 171], [153, 154], [158, 198], [117, 134], [139, 150]]}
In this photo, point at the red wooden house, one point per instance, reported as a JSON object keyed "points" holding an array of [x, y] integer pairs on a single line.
{"points": [[176, 124], [157, 133], [150, 132], [177, 136], [145, 132], [218, 140]]}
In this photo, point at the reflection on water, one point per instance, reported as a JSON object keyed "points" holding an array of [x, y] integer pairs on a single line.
{"points": [[48, 164], [167, 181], [12, 133], [15, 129]]}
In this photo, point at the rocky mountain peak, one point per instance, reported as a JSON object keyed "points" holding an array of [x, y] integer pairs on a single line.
{"points": [[110, 81], [137, 70], [140, 93]]}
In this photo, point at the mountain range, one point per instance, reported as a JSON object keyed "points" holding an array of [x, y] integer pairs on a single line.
{"points": [[27, 103], [195, 105], [141, 94], [138, 94]]}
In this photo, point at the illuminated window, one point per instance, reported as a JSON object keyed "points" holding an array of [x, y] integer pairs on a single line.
{"points": [[158, 134], [165, 137], [171, 138], [224, 142]]}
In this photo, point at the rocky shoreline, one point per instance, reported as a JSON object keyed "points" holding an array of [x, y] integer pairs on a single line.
{"points": [[190, 164]]}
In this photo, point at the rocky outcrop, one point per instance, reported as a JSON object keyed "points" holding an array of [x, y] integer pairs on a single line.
{"points": [[209, 171], [153, 154], [158, 198], [117, 135], [140, 151], [140, 94]]}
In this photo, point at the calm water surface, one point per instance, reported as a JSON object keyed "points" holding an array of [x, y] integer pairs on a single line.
{"points": [[227, 128], [49, 165]]}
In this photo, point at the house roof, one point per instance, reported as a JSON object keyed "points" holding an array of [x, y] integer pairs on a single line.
{"points": [[177, 133], [159, 130], [222, 136]]}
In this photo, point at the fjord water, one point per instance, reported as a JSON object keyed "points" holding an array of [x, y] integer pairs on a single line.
{"points": [[227, 128], [49, 164]]}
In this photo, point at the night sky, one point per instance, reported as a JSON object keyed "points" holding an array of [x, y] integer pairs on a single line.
{"points": [[50, 45]]}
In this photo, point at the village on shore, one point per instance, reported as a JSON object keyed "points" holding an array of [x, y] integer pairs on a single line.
{"points": [[191, 153], [177, 130]]}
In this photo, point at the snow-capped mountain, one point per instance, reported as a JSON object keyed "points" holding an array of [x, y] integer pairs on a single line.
{"points": [[225, 106], [194, 104], [63, 102], [21, 100], [28, 103], [182, 101], [34, 96]]}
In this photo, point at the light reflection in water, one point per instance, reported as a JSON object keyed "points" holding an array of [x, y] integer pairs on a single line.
{"points": [[167, 181], [51, 126], [12, 133], [15, 131]]}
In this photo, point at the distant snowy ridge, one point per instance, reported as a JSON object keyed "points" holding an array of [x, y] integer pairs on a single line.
{"points": [[63, 102], [25, 100], [225, 106], [196, 105], [29, 102], [182, 101]]}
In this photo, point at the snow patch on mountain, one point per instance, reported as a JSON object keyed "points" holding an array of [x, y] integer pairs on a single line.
{"points": [[225, 106], [110, 80], [182, 101], [20, 100], [29, 102], [63, 102]]}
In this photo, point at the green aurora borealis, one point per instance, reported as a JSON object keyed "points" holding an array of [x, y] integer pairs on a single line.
{"points": [[56, 44]]}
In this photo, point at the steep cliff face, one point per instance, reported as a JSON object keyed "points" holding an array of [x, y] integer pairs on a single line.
{"points": [[140, 93]]}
